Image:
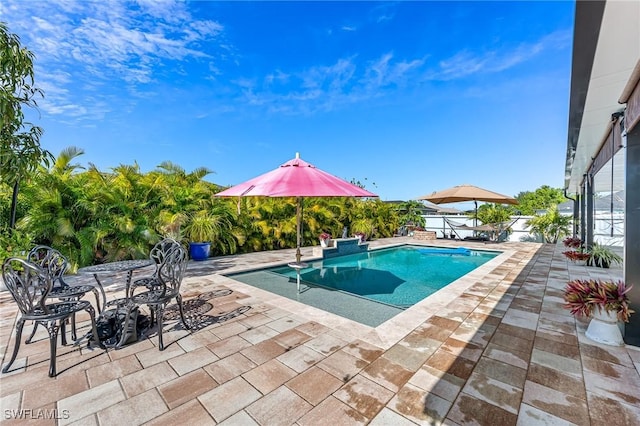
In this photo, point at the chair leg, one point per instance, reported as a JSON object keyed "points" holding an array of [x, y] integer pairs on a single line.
{"points": [[63, 332], [33, 332], [159, 311], [74, 336], [96, 295], [19, 326], [53, 328], [94, 329], [184, 322]]}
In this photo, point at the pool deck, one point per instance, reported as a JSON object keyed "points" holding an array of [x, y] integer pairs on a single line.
{"points": [[493, 348]]}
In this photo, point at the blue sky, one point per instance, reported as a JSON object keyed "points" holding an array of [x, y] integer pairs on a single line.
{"points": [[406, 97]]}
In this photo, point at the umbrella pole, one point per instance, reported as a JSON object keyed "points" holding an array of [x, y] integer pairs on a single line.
{"points": [[298, 228], [475, 219]]}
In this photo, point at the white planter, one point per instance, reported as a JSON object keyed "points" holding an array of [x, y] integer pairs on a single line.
{"points": [[323, 243], [603, 328]]}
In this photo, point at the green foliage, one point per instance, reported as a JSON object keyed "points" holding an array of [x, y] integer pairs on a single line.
{"points": [[214, 226], [14, 244], [541, 199], [20, 151], [494, 213], [603, 256], [201, 227], [410, 212], [551, 226]]}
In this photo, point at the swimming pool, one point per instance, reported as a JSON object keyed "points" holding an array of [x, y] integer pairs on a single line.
{"points": [[374, 286]]}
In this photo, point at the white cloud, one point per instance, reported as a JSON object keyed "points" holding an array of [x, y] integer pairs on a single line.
{"points": [[466, 63], [348, 81], [113, 41]]}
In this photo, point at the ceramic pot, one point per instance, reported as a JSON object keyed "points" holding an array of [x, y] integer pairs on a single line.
{"points": [[323, 242], [199, 251], [603, 328]]}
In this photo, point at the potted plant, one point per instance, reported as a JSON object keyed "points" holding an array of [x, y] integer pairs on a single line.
{"points": [[200, 229], [361, 236], [603, 256], [605, 302], [578, 257], [572, 242], [324, 239]]}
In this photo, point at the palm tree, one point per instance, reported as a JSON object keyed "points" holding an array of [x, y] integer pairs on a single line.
{"points": [[551, 226], [411, 213], [319, 217], [54, 215], [122, 206]]}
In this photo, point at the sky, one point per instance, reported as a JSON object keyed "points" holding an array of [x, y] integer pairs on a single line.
{"points": [[406, 97]]}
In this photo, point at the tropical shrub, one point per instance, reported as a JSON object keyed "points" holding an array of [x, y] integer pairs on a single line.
{"points": [[572, 242], [603, 256], [551, 226], [582, 297], [410, 213], [574, 255]]}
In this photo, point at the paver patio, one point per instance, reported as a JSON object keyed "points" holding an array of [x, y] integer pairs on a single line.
{"points": [[494, 348]]}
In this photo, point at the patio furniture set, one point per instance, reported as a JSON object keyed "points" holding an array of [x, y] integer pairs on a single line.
{"points": [[38, 287]]}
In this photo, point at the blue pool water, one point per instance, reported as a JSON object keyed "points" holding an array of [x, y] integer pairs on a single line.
{"points": [[400, 276], [370, 287]]}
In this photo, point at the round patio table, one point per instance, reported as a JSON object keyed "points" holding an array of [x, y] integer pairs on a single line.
{"points": [[111, 268]]}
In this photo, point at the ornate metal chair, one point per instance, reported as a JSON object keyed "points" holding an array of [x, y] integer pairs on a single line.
{"points": [[30, 285], [165, 287], [56, 264], [159, 254]]}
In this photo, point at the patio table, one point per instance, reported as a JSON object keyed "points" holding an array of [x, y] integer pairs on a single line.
{"points": [[111, 268]]}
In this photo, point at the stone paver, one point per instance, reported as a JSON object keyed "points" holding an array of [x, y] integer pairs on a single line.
{"points": [[496, 347], [314, 385]]}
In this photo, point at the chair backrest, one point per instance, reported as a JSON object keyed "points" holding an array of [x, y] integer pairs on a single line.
{"points": [[28, 284], [51, 260], [161, 250], [171, 272]]}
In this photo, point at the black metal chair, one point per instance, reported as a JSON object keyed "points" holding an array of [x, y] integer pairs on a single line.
{"points": [[30, 286], [159, 254], [56, 264], [165, 287]]}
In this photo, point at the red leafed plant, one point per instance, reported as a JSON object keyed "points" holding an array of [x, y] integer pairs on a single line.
{"points": [[583, 296], [325, 236], [574, 255], [573, 242]]}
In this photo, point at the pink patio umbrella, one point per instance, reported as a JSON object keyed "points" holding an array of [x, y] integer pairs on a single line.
{"points": [[296, 178]]}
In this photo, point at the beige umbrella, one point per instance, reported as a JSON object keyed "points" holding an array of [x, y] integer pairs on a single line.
{"points": [[463, 193]]}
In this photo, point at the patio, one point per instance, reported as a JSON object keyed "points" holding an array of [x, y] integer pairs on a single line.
{"points": [[495, 348]]}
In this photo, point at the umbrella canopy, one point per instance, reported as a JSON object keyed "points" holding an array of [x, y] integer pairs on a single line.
{"points": [[296, 178], [463, 193]]}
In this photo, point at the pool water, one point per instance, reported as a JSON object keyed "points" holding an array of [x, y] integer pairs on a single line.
{"points": [[398, 276], [374, 286]]}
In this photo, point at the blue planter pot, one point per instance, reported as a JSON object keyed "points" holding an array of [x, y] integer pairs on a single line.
{"points": [[199, 251]]}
